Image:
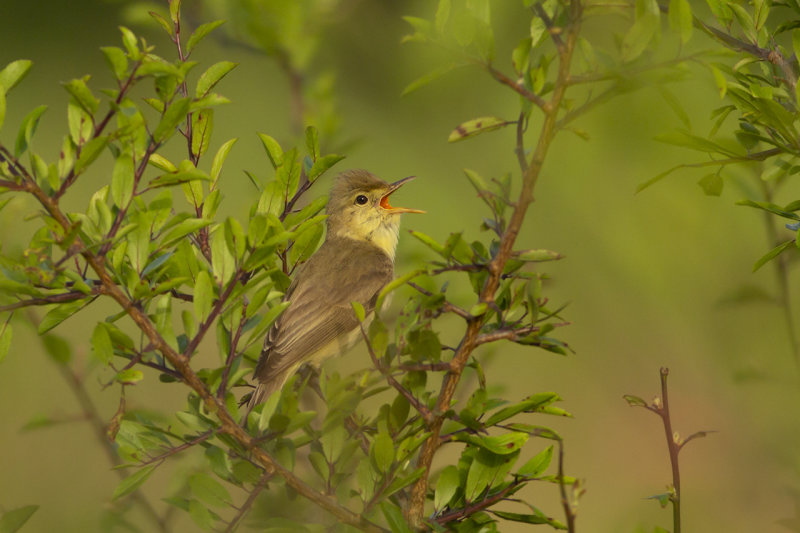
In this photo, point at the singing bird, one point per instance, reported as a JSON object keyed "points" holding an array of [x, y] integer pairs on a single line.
{"points": [[354, 263]]}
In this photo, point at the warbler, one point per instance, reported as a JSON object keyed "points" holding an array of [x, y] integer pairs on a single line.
{"points": [[354, 263]]}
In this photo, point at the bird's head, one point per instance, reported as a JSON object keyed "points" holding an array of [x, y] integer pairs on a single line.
{"points": [[359, 209]]}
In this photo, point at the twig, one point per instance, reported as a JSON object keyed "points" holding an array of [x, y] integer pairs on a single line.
{"points": [[471, 509], [177, 449], [447, 306], [223, 384], [99, 428], [422, 409], [512, 334], [52, 299], [251, 499], [569, 510]]}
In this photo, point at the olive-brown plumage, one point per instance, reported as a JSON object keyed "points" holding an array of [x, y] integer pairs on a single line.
{"points": [[354, 263]]}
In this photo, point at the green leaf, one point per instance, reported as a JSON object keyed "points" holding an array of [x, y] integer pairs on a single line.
{"points": [[537, 256], [772, 254], [530, 404], [117, 61], [680, 19], [422, 81], [130, 376], [639, 36], [446, 487], [132, 482], [59, 313], [14, 72], [521, 54], [223, 262], [537, 464], [772, 208], [382, 452], [208, 490], [322, 164], [5, 340], [312, 142], [57, 348], [359, 309], [202, 125], [162, 22], [687, 140], [200, 33], [122, 180], [219, 160], [477, 126], [430, 243], [102, 348], [212, 76], [203, 295], [82, 94], [2, 105], [529, 518], [274, 150], [634, 401], [129, 41], [502, 444], [13, 519], [173, 116], [27, 129], [711, 184], [90, 151], [394, 517]]}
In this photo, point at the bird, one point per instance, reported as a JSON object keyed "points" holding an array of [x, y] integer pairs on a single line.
{"points": [[354, 263]]}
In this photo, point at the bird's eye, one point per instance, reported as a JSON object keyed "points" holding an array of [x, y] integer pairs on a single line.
{"points": [[361, 199]]}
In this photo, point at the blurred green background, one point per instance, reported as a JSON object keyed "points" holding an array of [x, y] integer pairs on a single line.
{"points": [[648, 278]]}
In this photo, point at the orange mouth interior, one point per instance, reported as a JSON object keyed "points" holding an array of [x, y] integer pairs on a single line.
{"points": [[385, 202]]}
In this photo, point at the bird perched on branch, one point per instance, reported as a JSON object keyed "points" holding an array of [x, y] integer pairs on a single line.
{"points": [[354, 263]]}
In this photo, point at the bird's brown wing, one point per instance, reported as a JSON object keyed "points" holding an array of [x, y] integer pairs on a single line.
{"points": [[320, 309]]}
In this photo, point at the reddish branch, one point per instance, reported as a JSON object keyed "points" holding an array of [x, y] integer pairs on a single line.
{"points": [[565, 47]]}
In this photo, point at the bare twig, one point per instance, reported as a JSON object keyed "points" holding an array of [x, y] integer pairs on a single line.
{"points": [[251, 499], [421, 408], [569, 510]]}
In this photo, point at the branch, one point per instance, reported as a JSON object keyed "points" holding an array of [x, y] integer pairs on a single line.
{"points": [[52, 299], [177, 449], [548, 131], [512, 334]]}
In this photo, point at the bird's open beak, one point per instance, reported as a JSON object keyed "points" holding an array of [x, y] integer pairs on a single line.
{"points": [[393, 187]]}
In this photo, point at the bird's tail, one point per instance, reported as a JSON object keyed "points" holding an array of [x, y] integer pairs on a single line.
{"points": [[260, 395]]}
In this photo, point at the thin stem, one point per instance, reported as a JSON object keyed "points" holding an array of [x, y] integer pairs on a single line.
{"points": [[419, 406], [569, 511], [177, 449], [99, 428], [251, 499], [674, 448]]}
